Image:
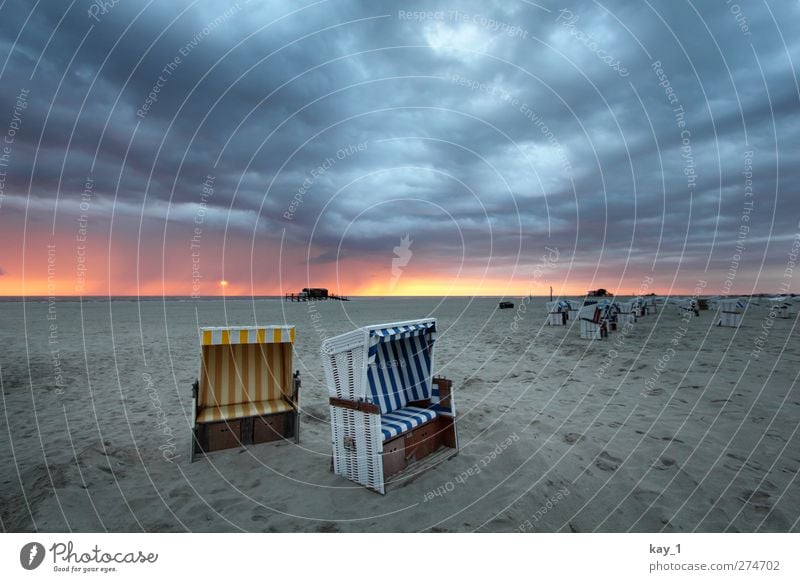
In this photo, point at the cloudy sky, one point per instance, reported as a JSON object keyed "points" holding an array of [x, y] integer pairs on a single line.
{"points": [[477, 148]]}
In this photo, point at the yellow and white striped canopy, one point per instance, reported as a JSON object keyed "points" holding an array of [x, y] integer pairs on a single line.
{"points": [[241, 366], [265, 334]]}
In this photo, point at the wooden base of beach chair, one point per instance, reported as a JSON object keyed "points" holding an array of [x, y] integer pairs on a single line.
{"points": [[274, 427], [217, 436], [221, 435], [412, 447]]}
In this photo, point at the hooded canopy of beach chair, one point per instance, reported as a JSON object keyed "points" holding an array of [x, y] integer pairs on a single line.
{"points": [[560, 305], [244, 370], [732, 305], [268, 334], [399, 364]]}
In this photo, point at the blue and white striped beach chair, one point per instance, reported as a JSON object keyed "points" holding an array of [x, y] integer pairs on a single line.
{"points": [[388, 412], [558, 312]]}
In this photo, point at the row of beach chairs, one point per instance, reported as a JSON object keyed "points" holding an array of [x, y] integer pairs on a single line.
{"points": [[389, 414], [598, 319]]}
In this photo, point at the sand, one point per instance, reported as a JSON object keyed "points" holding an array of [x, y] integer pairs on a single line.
{"points": [[596, 438]]}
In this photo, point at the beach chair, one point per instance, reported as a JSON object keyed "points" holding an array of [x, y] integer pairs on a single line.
{"points": [[782, 307], [786, 311], [638, 308], [650, 303], [625, 314], [557, 312], [246, 392], [687, 305], [593, 323], [730, 312], [573, 308], [390, 416]]}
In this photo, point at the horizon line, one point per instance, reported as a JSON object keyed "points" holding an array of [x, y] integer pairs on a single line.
{"points": [[145, 296]]}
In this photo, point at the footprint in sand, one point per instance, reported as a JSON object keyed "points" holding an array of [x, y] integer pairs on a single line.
{"points": [[663, 463], [573, 437], [756, 499], [606, 462]]}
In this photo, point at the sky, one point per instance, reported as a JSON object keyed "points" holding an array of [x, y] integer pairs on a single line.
{"points": [[398, 148]]}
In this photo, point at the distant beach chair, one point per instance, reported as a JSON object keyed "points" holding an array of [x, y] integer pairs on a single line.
{"points": [[625, 314], [573, 309], [786, 311], [782, 307], [686, 305], [557, 312], [730, 312], [246, 393], [638, 308], [650, 303], [593, 323], [389, 415]]}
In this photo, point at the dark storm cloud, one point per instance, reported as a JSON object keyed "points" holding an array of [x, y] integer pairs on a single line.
{"points": [[492, 130]]}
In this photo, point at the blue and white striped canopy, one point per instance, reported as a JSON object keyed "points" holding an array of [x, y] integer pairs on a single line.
{"points": [[399, 366], [396, 333]]}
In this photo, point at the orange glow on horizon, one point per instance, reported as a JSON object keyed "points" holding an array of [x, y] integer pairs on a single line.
{"points": [[418, 285], [348, 277]]}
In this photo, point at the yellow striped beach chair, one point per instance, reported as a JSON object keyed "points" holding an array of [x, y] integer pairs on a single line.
{"points": [[246, 392]]}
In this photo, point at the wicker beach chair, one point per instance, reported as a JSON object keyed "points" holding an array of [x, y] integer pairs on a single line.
{"points": [[389, 415], [782, 307], [557, 312], [688, 305], [593, 321], [625, 314], [246, 392], [730, 312], [573, 308], [638, 307], [786, 311], [650, 304]]}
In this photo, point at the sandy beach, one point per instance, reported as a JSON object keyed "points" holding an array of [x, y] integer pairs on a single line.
{"points": [[557, 433]]}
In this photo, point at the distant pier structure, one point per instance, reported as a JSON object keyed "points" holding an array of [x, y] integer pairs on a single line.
{"points": [[314, 294]]}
